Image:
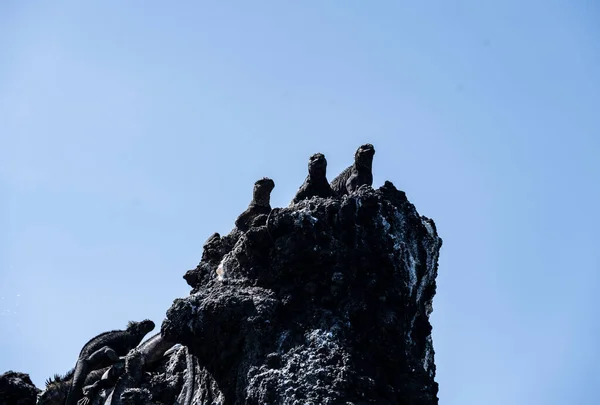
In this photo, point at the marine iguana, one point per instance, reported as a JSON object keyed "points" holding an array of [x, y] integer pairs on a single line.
{"points": [[359, 174], [103, 350], [131, 377], [190, 377], [260, 204], [127, 387], [151, 350], [58, 386], [316, 183]]}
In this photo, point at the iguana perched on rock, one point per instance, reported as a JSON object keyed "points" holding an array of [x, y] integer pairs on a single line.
{"points": [[127, 390], [104, 350], [131, 377], [359, 174], [151, 351], [190, 377], [316, 183], [260, 204], [58, 386]]}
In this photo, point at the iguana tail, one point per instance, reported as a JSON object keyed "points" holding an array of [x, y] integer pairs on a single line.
{"points": [[191, 374], [75, 391]]}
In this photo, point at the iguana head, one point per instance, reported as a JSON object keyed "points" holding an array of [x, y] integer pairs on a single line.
{"points": [[140, 328], [317, 164], [262, 191], [364, 156]]}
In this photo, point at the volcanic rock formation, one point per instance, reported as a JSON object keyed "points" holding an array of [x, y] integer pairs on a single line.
{"points": [[328, 303], [17, 389], [325, 302]]}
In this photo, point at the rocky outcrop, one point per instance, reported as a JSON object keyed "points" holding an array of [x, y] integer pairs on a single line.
{"points": [[328, 303], [17, 389], [324, 302]]}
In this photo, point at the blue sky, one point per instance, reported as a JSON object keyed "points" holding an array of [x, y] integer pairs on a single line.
{"points": [[131, 131]]}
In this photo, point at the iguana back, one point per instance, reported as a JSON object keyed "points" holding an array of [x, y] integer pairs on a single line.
{"points": [[102, 349]]}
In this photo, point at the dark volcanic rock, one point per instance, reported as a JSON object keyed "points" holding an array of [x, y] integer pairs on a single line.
{"points": [[323, 303], [17, 389], [326, 302]]}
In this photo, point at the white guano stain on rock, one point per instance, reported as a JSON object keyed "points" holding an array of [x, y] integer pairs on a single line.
{"points": [[428, 227], [428, 356], [221, 270], [412, 272]]}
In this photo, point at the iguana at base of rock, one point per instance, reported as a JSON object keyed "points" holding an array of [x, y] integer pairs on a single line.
{"points": [[260, 204], [127, 386], [151, 351], [58, 386], [191, 377], [357, 175], [104, 350], [131, 377], [316, 184]]}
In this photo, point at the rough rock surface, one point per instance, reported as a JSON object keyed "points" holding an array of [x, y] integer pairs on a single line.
{"points": [[17, 389], [328, 303], [324, 302]]}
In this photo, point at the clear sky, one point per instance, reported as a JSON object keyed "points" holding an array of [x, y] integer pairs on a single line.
{"points": [[131, 131]]}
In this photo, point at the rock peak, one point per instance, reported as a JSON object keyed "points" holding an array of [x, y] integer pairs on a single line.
{"points": [[327, 303]]}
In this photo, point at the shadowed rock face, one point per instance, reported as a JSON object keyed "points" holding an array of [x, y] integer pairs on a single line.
{"points": [[17, 389], [328, 303]]}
